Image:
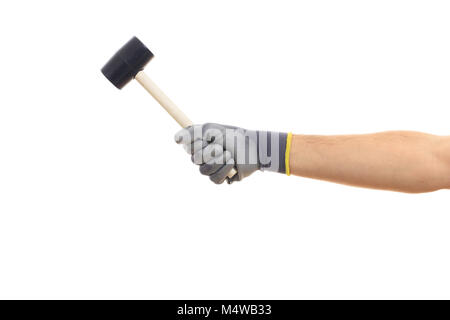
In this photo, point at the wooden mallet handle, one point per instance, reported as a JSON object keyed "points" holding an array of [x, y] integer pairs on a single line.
{"points": [[168, 104], [163, 100]]}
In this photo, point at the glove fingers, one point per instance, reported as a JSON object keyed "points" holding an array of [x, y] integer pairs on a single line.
{"points": [[195, 146], [220, 176], [208, 153], [213, 135], [189, 134], [215, 164]]}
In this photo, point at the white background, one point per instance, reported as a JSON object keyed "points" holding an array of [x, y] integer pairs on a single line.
{"points": [[97, 201]]}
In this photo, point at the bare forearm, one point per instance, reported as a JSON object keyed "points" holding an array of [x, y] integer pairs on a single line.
{"points": [[398, 160]]}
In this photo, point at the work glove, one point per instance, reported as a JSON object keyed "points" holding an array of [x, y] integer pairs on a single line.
{"points": [[217, 149]]}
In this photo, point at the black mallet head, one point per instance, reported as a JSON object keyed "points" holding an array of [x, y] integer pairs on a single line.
{"points": [[127, 62]]}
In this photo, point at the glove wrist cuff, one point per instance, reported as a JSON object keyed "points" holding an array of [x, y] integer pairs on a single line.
{"points": [[272, 151]]}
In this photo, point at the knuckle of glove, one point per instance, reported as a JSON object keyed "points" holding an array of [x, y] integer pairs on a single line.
{"points": [[206, 154]]}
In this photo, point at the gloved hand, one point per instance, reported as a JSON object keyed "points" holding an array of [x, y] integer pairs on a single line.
{"points": [[218, 148]]}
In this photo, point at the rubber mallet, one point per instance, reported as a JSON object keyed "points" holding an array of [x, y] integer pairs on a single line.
{"points": [[128, 63]]}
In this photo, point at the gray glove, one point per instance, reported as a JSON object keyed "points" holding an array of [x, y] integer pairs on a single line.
{"points": [[219, 148]]}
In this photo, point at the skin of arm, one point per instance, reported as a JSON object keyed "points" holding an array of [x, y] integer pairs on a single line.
{"points": [[404, 161]]}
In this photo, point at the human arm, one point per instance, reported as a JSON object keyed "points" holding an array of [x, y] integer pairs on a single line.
{"points": [[397, 160]]}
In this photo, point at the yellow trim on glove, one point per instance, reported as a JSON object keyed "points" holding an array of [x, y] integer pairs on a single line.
{"points": [[288, 151]]}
